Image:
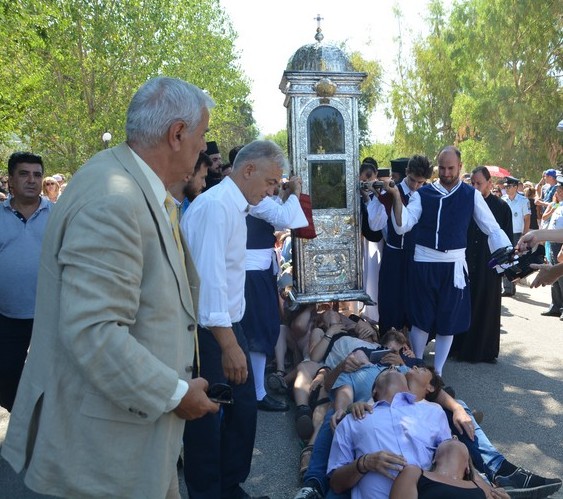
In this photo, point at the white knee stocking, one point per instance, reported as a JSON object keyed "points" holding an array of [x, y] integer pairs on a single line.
{"points": [[418, 340], [442, 349], [258, 361]]}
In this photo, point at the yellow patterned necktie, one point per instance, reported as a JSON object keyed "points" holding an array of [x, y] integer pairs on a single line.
{"points": [[173, 213]]}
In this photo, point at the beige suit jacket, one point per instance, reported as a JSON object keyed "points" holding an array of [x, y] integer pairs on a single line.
{"points": [[114, 330]]}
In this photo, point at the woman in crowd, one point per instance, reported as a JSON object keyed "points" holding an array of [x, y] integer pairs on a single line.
{"points": [[51, 189], [530, 193]]}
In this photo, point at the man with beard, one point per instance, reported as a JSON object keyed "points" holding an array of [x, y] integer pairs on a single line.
{"points": [[438, 298], [187, 189], [481, 341], [214, 174], [196, 182]]}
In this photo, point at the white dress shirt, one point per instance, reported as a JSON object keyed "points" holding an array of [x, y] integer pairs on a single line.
{"points": [[520, 207], [287, 215], [215, 230]]}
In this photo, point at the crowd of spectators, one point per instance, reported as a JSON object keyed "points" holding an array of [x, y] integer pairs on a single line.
{"points": [[350, 369]]}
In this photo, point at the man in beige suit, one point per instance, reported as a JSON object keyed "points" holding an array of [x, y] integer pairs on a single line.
{"points": [[108, 382]]}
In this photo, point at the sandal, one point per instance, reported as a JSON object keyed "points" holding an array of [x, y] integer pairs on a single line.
{"points": [[277, 383], [304, 460]]}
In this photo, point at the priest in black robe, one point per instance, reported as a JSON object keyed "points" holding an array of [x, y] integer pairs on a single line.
{"points": [[481, 343]]}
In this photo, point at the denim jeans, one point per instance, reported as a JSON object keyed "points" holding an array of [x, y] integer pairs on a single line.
{"points": [[319, 460], [486, 458]]}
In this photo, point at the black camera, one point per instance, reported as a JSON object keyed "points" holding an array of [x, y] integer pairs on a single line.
{"points": [[519, 263], [370, 186]]}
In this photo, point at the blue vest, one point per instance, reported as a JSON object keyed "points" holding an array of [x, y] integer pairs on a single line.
{"points": [[260, 234], [445, 218]]}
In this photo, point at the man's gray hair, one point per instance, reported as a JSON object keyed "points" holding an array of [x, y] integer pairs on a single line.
{"points": [[160, 102], [259, 150]]}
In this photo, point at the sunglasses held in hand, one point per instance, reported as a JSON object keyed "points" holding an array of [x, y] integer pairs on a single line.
{"points": [[221, 393]]}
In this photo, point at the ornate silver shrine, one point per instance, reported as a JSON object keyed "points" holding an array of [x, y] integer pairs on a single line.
{"points": [[322, 93]]}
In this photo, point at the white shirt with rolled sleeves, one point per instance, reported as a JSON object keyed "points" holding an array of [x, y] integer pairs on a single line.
{"points": [[215, 230]]}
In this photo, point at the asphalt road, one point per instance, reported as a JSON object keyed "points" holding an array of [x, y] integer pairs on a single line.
{"points": [[521, 396]]}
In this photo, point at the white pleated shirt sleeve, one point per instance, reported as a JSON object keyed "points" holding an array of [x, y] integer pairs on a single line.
{"points": [[377, 216], [410, 215], [486, 221], [287, 215]]}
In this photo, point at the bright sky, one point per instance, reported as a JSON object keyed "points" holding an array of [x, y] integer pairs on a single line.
{"points": [[269, 33]]}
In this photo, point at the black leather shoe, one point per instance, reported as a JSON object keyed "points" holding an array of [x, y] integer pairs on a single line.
{"points": [[240, 493], [551, 313], [271, 404]]}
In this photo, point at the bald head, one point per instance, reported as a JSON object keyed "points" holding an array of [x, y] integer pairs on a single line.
{"points": [[449, 166]]}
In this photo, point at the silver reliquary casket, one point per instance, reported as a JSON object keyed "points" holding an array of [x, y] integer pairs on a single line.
{"points": [[322, 94]]}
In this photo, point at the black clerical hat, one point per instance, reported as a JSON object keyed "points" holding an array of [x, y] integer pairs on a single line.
{"points": [[399, 165], [212, 148]]}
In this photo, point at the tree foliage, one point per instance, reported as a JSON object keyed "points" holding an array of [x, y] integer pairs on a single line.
{"points": [[68, 69], [280, 138], [370, 92], [488, 79]]}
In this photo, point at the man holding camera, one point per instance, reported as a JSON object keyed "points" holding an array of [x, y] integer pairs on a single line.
{"points": [[398, 251]]}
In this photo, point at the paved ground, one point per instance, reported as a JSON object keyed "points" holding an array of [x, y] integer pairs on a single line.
{"points": [[521, 395]]}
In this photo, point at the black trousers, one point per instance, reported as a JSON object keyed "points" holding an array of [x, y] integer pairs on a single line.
{"points": [[15, 335], [218, 447], [557, 286]]}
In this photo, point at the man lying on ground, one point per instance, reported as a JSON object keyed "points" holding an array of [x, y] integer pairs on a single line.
{"points": [[423, 383]]}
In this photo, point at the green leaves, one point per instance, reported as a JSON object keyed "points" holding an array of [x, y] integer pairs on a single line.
{"points": [[68, 69], [488, 79]]}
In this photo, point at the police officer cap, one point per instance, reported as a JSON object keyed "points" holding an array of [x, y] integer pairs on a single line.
{"points": [[511, 181]]}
